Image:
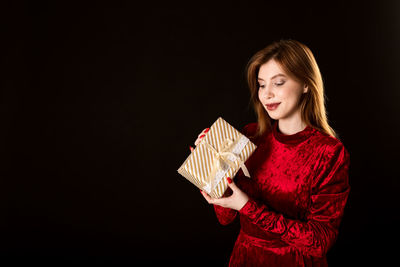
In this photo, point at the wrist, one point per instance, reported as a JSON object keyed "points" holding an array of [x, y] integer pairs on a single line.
{"points": [[243, 204], [246, 207]]}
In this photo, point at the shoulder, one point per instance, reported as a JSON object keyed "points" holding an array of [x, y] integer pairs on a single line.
{"points": [[250, 129], [331, 147], [332, 165]]}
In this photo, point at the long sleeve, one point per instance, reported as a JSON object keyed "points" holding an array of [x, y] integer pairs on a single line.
{"points": [[329, 192], [225, 216]]}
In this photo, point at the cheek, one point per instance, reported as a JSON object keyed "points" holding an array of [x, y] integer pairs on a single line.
{"points": [[259, 95], [285, 93], [290, 95]]}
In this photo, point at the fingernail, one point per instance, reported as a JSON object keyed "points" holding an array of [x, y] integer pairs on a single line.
{"points": [[207, 130], [191, 148], [201, 136], [229, 180]]}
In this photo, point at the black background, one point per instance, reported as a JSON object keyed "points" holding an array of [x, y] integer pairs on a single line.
{"points": [[101, 100]]}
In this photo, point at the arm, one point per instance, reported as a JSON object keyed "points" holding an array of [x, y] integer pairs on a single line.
{"points": [[318, 232]]}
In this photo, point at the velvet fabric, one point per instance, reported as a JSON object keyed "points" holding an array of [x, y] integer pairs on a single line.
{"points": [[297, 193]]}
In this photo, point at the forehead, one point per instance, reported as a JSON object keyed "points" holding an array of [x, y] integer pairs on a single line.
{"points": [[270, 69]]}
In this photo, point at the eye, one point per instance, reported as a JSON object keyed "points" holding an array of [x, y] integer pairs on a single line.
{"points": [[261, 86], [279, 83]]}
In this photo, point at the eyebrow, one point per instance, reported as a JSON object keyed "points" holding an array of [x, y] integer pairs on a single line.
{"points": [[279, 74]]}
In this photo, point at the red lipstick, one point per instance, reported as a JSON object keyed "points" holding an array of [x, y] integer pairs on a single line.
{"points": [[272, 106]]}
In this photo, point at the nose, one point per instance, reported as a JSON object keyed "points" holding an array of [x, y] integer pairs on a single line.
{"points": [[266, 92]]}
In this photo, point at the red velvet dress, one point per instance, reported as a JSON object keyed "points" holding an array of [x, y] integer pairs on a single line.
{"points": [[297, 193]]}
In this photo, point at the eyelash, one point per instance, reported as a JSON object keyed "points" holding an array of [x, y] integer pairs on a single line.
{"points": [[277, 84]]}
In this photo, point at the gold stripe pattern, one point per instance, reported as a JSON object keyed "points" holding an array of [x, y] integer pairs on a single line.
{"points": [[199, 164]]}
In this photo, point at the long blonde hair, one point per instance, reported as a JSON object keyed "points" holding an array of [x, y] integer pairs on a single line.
{"points": [[297, 60]]}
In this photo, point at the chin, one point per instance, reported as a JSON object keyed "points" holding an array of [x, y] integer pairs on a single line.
{"points": [[274, 117]]}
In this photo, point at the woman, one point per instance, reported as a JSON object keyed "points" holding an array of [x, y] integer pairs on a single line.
{"points": [[291, 207]]}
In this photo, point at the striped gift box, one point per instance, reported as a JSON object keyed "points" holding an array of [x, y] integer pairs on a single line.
{"points": [[220, 154]]}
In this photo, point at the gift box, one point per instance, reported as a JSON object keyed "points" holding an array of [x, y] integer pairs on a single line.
{"points": [[220, 154]]}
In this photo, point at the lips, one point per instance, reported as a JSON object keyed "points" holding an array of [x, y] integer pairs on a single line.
{"points": [[272, 106]]}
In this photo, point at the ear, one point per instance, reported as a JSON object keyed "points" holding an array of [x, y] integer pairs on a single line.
{"points": [[305, 89]]}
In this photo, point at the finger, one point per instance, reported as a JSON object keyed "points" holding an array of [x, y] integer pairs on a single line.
{"points": [[191, 149], [201, 135], [211, 200], [232, 185], [197, 141], [204, 131], [206, 196]]}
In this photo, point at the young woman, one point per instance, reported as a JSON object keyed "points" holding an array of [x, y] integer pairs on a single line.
{"points": [[291, 207]]}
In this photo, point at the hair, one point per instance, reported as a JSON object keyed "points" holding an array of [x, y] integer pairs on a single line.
{"points": [[297, 60]]}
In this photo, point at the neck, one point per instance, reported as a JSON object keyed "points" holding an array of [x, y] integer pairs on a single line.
{"points": [[291, 127]]}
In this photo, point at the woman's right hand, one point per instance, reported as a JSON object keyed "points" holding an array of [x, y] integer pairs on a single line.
{"points": [[200, 136]]}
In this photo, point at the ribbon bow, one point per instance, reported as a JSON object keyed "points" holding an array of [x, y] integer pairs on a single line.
{"points": [[224, 158]]}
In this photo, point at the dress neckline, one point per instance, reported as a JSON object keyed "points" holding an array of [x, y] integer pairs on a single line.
{"points": [[291, 139]]}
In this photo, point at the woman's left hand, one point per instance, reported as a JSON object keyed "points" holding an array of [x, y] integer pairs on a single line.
{"points": [[235, 201]]}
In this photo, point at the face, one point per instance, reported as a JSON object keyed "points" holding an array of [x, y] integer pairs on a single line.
{"points": [[279, 93]]}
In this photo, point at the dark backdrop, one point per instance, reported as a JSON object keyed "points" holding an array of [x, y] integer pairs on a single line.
{"points": [[100, 102]]}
